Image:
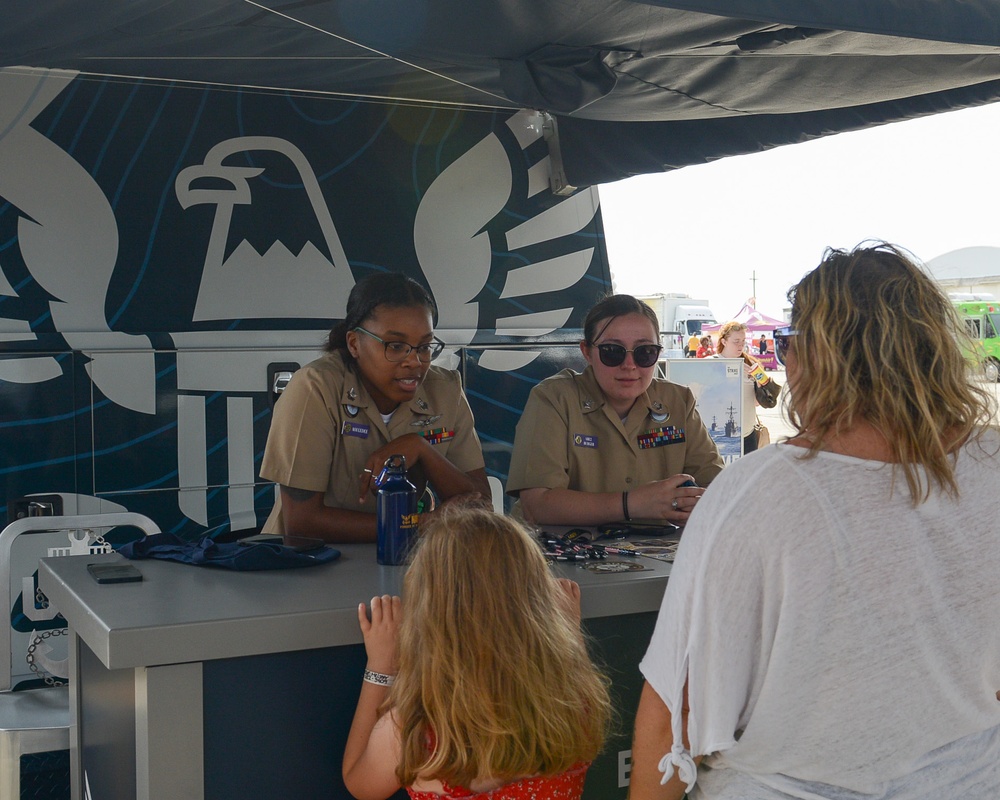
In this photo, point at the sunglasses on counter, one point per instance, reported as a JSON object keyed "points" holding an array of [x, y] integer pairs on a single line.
{"points": [[613, 355], [783, 338]]}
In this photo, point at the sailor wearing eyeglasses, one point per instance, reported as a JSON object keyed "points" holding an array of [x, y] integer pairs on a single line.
{"points": [[612, 442], [372, 395]]}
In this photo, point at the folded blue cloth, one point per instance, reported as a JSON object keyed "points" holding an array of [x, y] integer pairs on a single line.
{"points": [[227, 555]]}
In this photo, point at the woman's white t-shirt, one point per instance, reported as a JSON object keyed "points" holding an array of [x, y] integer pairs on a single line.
{"points": [[838, 641]]}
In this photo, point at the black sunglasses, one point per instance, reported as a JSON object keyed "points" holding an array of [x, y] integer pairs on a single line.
{"points": [[783, 338], [613, 355]]}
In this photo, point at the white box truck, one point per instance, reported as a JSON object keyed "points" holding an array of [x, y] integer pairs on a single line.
{"points": [[680, 315]]}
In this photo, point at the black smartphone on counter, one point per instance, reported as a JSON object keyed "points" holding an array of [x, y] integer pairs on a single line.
{"points": [[303, 544], [114, 573]]}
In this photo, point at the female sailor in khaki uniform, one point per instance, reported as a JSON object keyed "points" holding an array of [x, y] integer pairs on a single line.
{"points": [[612, 442], [372, 395]]}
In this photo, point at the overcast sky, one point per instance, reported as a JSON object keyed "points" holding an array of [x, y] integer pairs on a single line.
{"points": [[930, 185]]}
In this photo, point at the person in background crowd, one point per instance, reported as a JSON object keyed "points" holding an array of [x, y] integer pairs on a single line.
{"points": [[705, 347], [732, 343], [612, 442], [487, 694], [762, 346], [374, 394], [692, 346], [844, 643]]}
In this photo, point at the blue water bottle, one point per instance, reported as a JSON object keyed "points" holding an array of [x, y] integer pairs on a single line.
{"points": [[396, 510]]}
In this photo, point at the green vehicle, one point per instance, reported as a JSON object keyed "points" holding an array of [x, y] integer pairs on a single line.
{"points": [[982, 321]]}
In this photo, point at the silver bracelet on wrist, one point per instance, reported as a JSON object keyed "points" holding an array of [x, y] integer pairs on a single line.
{"points": [[379, 678]]}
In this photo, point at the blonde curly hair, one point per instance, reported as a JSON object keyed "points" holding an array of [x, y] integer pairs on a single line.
{"points": [[877, 340]]}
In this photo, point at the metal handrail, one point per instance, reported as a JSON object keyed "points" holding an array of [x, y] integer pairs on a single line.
{"points": [[100, 522]]}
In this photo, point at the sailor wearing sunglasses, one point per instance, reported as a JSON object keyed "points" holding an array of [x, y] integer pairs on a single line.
{"points": [[612, 442]]}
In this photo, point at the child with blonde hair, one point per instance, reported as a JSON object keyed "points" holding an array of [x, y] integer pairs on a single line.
{"points": [[484, 687]]}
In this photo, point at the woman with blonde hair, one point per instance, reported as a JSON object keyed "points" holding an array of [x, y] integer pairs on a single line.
{"points": [[844, 644], [732, 344], [490, 689]]}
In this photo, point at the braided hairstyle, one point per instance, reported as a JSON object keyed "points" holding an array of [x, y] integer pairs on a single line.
{"points": [[393, 290]]}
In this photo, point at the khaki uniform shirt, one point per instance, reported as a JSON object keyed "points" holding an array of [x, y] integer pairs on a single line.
{"points": [[325, 425], [569, 437]]}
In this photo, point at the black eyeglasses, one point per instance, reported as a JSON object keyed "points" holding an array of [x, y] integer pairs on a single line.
{"points": [[400, 351], [613, 355], [783, 338]]}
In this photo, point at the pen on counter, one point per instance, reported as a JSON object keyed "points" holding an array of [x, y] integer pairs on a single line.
{"points": [[619, 551]]}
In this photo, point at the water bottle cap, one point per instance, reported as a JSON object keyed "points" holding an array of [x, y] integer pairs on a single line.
{"points": [[394, 465], [395, 462]]}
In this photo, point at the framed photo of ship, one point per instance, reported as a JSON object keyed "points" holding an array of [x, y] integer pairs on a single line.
{"points": [[717, 385]]}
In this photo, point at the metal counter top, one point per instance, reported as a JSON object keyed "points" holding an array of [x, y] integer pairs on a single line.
{"points": [[181, 613]]}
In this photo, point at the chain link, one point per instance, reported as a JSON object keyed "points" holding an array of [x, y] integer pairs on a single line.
{"points": [[100, 541], [37, 639], [41, 601]]}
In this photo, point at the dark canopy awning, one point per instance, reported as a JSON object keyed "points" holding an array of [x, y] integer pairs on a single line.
{"points": [[634, 86]]}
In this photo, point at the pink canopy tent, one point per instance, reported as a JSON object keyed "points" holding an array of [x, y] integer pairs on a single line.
{"points": [[755, 322], [752, 318]]}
